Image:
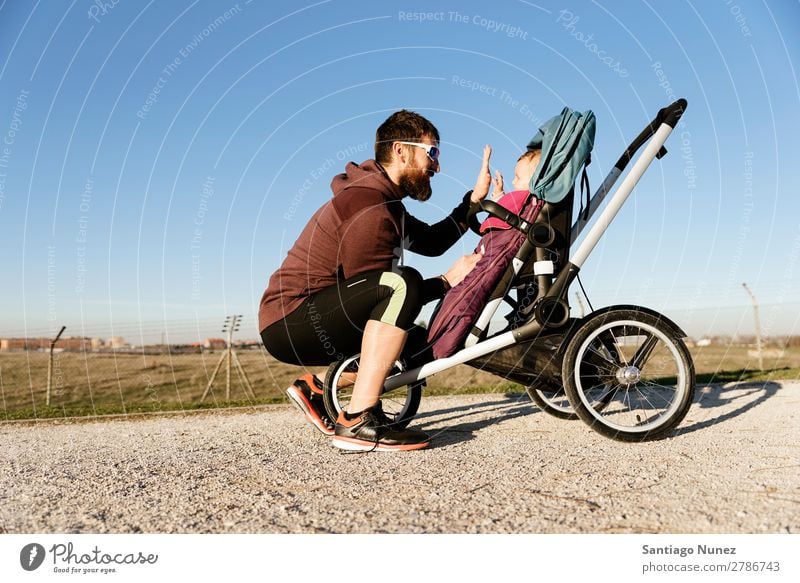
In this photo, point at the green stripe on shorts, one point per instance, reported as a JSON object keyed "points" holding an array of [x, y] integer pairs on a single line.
{"points": [[398, 299]]}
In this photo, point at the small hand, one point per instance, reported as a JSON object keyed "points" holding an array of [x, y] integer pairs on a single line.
{"points": [[484, 177], [461, 268], [498, 185]]}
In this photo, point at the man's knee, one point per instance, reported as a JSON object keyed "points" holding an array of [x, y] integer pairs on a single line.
{"points": [[412, 278], [406, 282], [405, 286]]}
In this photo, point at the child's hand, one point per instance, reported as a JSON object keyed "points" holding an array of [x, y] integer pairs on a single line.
{"points": [[461, 268], [498, 185], [484, 179]]}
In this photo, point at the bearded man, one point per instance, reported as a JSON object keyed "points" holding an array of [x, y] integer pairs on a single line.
{"points": [[341, 289]]}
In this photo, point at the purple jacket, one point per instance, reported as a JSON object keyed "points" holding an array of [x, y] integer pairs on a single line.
{"points": [[463, 303]]}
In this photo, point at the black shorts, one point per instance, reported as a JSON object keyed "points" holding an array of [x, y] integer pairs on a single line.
{"points": [[329, 325]]}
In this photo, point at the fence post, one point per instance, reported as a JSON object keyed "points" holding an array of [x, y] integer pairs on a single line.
{"points": [[50, 365]]}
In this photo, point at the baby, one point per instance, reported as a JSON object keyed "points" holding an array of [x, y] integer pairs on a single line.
{"points": [[514, 200]]}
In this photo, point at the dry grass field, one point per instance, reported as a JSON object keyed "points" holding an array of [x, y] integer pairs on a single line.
{"points": [[97, 384]]}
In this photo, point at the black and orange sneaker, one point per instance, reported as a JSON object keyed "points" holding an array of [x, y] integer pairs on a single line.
{"points": [[306, 394], [368, 431]]}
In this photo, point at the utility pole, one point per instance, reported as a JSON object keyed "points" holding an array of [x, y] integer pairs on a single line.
{"points": [[230, 326], [758, 327], [50, 365]]}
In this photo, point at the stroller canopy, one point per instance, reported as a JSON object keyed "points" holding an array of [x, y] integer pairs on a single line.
{"points": [[566, 141]]}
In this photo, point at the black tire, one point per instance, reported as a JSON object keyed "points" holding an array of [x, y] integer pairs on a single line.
{"points": [[399, 405], [624, 364], [552, 400]]}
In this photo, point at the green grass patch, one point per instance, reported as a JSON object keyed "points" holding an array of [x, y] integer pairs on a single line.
{"points": [[106, 410]]}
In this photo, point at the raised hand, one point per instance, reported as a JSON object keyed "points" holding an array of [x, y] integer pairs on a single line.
{"points": [[484, 179], [498, 185]]}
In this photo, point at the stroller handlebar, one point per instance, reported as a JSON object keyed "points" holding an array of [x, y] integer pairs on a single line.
{"points": [[668, 115], [671, 113]]}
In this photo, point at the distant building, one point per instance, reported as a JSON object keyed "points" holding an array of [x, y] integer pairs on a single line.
{"points": [[118, 342], [18, 343], [249, 344], [73, 343], [24, 343], [69, 343], [215, 344]]}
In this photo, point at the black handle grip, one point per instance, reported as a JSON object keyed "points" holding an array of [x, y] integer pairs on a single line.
{"points": [[668, 115], [501, 213], [671, 113]]}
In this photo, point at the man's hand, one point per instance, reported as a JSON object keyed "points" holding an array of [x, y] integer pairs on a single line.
{"points": [[497, 192], [461, 268], [484, 179]]}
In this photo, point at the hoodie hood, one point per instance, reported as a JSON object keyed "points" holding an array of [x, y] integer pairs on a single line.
{"points": [[368, 174]]}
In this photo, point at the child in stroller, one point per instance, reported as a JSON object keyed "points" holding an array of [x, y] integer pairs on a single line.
{"points": [[523, 172]]}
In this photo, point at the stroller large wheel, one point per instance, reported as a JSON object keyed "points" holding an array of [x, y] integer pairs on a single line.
{"points": [[400, 405], [629, 375], [552, 400]]}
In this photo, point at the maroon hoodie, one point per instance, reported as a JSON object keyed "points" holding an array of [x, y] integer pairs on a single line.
{"points": [[360, 229]]}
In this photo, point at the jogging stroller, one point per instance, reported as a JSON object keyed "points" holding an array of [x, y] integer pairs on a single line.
{"points": [[622, 369]]}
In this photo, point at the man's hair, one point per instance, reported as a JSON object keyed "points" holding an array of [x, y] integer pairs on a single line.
{"points": [[401, 126]]}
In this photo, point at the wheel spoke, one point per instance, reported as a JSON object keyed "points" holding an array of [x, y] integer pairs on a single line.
{"points": [[666, 396], [611, 390], [626, 400], [618, 346], [658, 386], [644, 397], [603, 356], [644, 351]]}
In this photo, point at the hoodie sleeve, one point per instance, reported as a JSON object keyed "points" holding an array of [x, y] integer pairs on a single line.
{"points": [[433, 240]]}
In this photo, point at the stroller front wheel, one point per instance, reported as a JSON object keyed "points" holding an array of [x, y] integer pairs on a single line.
{"points": [[629, 375], [399, 405]]}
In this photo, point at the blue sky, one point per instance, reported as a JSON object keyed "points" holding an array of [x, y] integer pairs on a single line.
{"points": [[157, 160]]}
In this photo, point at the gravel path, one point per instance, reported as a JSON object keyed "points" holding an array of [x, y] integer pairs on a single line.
{"points": [[497, 465]]}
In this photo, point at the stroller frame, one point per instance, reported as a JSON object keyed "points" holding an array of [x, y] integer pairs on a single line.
{"points": [[554, 340]]}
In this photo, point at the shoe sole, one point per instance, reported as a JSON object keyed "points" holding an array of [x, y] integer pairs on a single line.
{"points": [[299, 401], [351, 444]]}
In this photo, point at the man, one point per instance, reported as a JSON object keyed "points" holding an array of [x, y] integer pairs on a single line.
{"points": [[341, 291]]}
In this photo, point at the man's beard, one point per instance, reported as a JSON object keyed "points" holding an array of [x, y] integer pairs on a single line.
{"points": [[416, 183]]}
